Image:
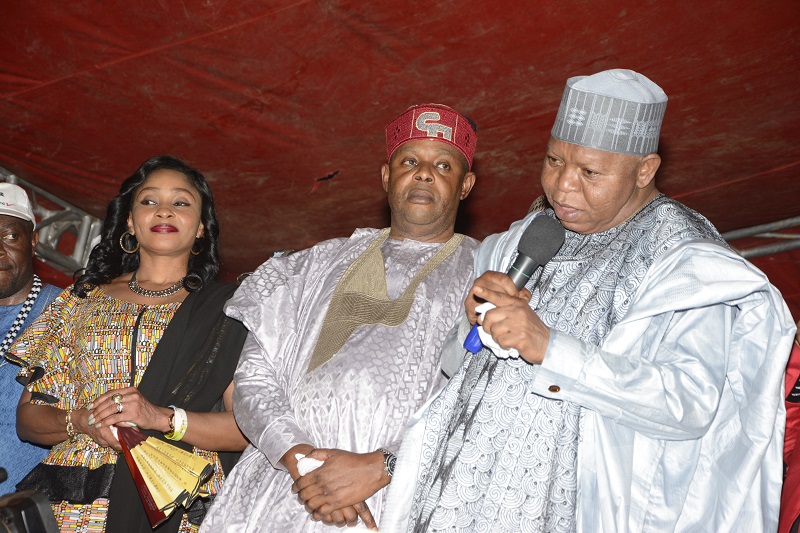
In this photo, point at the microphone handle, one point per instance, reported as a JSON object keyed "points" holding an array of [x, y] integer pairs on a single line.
{"points": [[521, 271]]}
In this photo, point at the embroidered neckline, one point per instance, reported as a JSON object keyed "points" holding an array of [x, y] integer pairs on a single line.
{"points": [[361, 298]]}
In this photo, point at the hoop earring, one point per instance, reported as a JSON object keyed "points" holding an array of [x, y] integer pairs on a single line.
{"points": [[195, 242], [122, 243]]}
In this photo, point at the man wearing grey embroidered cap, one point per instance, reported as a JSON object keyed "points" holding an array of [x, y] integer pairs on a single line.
{"points": [[637, 382], [22, 297]]}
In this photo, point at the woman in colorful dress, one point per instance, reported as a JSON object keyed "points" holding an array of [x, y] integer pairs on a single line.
{"points": [[140, 340]]}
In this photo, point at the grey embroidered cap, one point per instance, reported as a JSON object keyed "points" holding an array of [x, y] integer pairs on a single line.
{"points": [[615, 110]]}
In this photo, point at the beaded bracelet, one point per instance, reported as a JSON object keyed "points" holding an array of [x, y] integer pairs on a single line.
{"points": [[178, 424], [71, 433]]}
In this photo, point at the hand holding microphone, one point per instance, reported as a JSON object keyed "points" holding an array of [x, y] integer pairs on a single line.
{"points": [[539, 243]]}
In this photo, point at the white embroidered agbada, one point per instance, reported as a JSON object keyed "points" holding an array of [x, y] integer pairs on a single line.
{"points": [[359, 400], [672, 349]]}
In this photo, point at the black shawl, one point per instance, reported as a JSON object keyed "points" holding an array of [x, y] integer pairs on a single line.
{"points": [[191, 367]]}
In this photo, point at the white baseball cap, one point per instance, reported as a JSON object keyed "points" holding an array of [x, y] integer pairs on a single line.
{"points": [[14, 202]]}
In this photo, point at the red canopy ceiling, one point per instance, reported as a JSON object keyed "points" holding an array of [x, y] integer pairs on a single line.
{"points": [[266, 97]]}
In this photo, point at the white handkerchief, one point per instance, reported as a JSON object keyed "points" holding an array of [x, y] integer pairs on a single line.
{"points": [[306, 464], [487, 339]]}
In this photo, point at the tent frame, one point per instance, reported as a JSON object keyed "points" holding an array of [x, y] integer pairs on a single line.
{"points": [[55, 223]]}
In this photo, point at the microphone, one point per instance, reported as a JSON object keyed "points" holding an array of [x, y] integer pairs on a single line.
{"points": [[539, 243]]}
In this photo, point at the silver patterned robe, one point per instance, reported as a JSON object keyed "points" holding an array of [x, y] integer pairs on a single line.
{"points": [[359, 400], [658, 406]]}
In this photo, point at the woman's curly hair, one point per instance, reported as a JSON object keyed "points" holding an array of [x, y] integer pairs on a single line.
{"points": [[107, 260]]}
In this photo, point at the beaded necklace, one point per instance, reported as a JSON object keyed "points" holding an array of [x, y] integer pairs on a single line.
{"points": [[134, 286], [21, 317]]}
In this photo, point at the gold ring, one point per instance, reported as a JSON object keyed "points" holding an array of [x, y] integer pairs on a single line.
{"points": [[119, 407], [117, 398]]}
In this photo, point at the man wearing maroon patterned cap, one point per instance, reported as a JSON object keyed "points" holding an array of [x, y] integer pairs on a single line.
{"points": [[344, 343]]}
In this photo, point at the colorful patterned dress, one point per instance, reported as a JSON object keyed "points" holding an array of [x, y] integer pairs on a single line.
{"points": [[85, 346]]}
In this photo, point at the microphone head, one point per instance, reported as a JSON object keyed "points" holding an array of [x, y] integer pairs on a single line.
{"points": [[542, 239]]}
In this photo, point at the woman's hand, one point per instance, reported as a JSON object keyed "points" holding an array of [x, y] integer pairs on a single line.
{"points": [[208, 431], [102, 435], [130, 408], [46, 424]]}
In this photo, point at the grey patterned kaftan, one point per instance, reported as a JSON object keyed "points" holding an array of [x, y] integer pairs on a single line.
{"points": [[358, 401], [495, 454]]}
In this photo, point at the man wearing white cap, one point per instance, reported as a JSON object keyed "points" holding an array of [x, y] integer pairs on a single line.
{"points": [[637, 385], [22, 297]]}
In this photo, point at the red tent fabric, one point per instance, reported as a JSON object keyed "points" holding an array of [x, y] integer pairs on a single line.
{"points": [[269, 97]]}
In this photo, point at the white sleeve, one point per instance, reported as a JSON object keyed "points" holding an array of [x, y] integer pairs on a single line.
{"points": [[261, 407], [702, 321], [667, 387], [267, 304]]}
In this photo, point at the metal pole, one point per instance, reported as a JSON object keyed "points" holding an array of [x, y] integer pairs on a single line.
{"points": [[768, 249], [763, 228]]}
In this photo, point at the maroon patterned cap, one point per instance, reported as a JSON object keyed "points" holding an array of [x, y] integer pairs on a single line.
{"points": [[433, 121]]}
